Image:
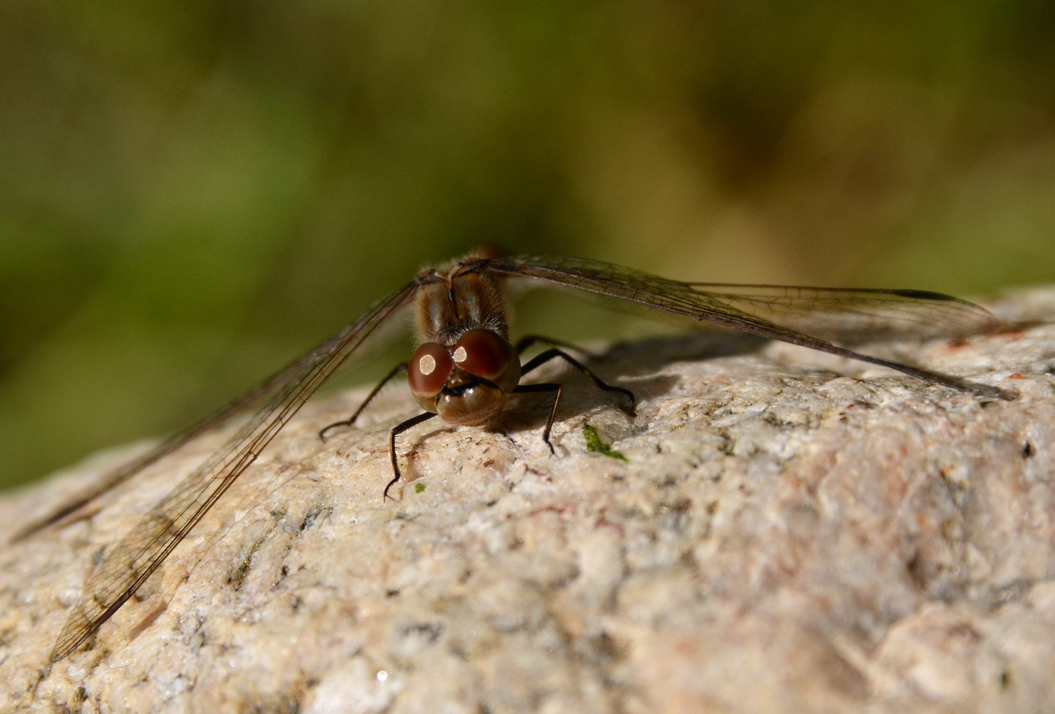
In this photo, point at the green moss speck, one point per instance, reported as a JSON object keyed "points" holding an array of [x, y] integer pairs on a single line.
{"points": [[595, 444]]}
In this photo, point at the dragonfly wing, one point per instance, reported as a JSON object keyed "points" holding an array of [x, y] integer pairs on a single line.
{"points": [[131, 561], [841, 314], [693, 302], [125, 471], [854, 315]]}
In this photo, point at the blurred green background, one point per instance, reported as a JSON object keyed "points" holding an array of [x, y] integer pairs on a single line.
{"points": [[192, 193]]}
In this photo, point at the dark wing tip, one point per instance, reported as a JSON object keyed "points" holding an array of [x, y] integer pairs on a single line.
{"points": [[924, 295]]}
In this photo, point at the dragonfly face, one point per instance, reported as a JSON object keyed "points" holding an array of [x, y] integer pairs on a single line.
{"points": [[465, 383]]}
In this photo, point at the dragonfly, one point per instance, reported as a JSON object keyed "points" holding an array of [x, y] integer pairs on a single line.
{"points": [[465, 369]]}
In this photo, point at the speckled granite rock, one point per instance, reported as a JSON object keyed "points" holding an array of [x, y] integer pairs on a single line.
{"points": [[789, 533]]}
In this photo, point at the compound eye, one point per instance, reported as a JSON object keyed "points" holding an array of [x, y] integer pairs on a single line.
{"points": [[483, 353], [429, 369]]}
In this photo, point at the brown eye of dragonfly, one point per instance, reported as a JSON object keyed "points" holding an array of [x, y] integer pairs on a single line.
{"points": [[429, 369], [483, 353]]}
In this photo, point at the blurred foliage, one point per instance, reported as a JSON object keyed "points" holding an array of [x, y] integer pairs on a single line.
{"points": [[193, 192]]}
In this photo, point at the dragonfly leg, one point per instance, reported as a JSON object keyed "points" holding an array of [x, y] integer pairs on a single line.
{"points": [[556, 389], [547, 387], [396, 430], [351, 420], [551, 354]]}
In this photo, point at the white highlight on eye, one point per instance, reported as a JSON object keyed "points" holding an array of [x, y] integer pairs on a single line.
{"points": [[460, 354], [427, 364]]}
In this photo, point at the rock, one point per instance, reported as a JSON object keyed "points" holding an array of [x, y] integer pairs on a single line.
{"points": [[789, 532]]}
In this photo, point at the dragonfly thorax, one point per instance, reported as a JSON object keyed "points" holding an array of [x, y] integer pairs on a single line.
{"points": [[454, 301]]}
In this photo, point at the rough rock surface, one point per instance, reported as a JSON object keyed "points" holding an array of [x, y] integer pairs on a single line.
{"points": [[789, 533]]}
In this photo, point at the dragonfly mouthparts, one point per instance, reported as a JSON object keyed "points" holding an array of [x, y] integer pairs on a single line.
{"points": [[457, 390]]}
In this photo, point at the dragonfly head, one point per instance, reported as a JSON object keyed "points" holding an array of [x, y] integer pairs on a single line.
{"points": [[467, 382]]}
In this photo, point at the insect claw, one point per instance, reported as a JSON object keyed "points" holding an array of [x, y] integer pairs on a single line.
{"points": [[631, 407], [322, 432]]}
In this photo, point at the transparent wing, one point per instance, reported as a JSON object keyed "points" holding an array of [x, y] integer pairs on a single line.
{"points": [[130, 562], [852, 314], [757, 309], [122, 473]]}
